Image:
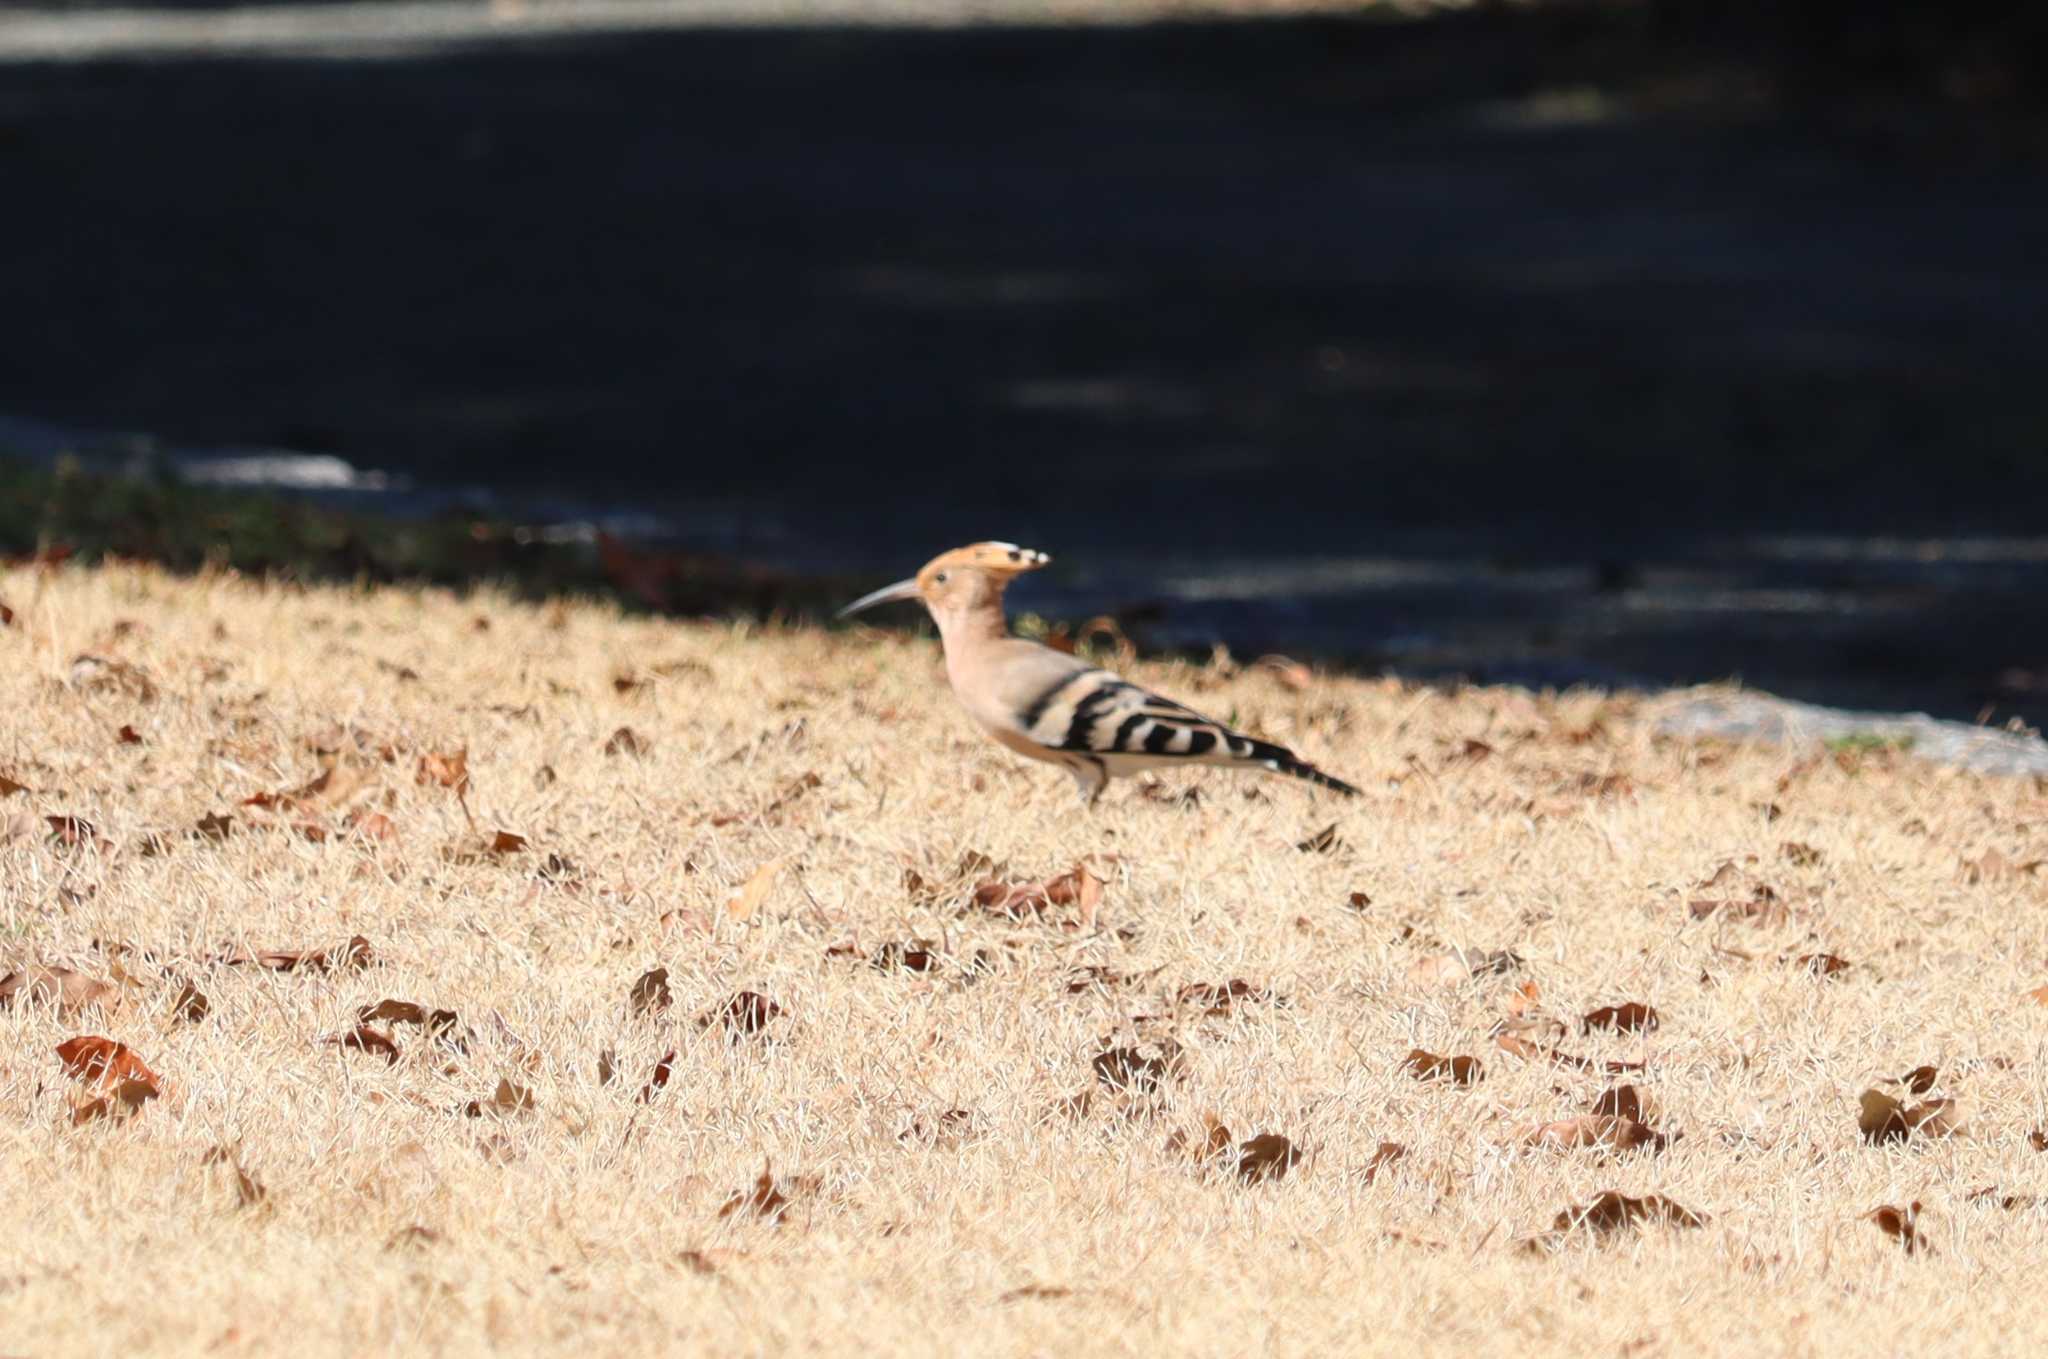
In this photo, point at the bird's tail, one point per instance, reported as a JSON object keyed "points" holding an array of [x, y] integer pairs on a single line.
{"points": [[1281, 760]]}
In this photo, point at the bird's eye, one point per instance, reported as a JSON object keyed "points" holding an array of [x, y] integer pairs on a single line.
{"points": [[940, 578]]}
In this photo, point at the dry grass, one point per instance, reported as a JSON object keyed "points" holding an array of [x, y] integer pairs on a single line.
{"points": [[359, 1207]]}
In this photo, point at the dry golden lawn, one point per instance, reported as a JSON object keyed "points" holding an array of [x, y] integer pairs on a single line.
{"points": [[516, 1181]]}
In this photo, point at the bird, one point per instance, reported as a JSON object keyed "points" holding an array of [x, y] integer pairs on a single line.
{"points": [[1051, 706]]}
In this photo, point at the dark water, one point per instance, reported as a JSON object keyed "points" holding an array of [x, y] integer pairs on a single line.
{"points": [[1422, 345]]}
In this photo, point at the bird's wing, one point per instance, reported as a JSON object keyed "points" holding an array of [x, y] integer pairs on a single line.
{"points": [[1093, 712]]}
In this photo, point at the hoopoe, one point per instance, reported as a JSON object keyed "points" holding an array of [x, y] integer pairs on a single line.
{"points": [[1047, 705]]}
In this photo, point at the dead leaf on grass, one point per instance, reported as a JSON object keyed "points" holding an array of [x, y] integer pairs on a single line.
{"points": [[1612, 1211], [658, 1078], [116, 1082], [66, 990], [1266, 1158], [770, 1199], [1077, 888], [1920, 1079], [909, 955], [1901, 1225], [1799, 855], [1599, 1132], [448, 770], [1462, 964], [353, 956], [1427, 1066], [1825, 965], [753, 892], [650, 994], [1989, 1197], [1386, 1155], [363, 1038], [8, 787], [1633, 1017], [76, 833], [1134, 1071], [1882, 1119], [128, 736], [1620, 1101], [1218, 998], [746, 1014], [506, 1099], [214, 826], [626, 741]]}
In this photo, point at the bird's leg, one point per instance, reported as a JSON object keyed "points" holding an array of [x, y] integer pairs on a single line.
{"points": [[1089, 778]]}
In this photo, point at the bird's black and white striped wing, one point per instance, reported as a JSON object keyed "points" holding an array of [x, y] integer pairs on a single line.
{"points": [[1094, 714]]}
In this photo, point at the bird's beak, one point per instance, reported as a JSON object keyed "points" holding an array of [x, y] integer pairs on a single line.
{"points": [[888, 594]]}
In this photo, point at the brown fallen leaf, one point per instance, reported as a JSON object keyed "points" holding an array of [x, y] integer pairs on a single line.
{"points": [[1882, 1119], [1901, 1225], [441, 1024], [1920, 1079], [625, 741], [651, 993], [753, 892], [1462, 964], [60, 987], [1611, 1211], [1266, 1157], [128, 736], [1753, 911], [1386, 1155], [1523, 1048], [116, 1082], [769, 1198], [663, 1069], [1218, 998], [449, 771], [1620, 1101], [1823, 964], [746, 1013], [1427, 1066], [1989, 1197], [353, 956], [214, 826], [8, 787], [1359, 901], [1800, 856], [191, 1004], [506, 1099], [1213, 1141], [1078, 887], [908, 955], [1137, 1072], [1633, 1017], [363, 1038], [76, 833], [1600, 1132], [2038, 1139]]}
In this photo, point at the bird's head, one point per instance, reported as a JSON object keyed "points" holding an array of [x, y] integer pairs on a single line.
{"points": [[958, 580]]}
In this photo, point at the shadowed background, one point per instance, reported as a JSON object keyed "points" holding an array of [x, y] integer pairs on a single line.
{"points": [[1622, 343]]}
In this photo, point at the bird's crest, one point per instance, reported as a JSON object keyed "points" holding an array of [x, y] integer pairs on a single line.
{"points": [[1001, 560]]}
